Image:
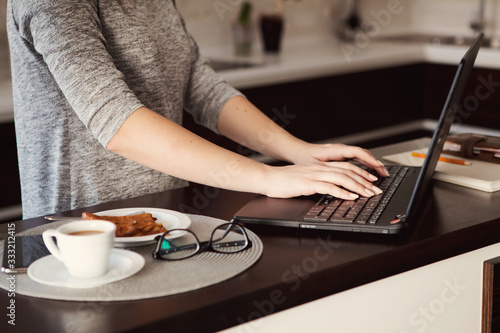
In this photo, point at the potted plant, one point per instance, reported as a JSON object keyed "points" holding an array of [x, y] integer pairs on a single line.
{"points": [[243, 30]]}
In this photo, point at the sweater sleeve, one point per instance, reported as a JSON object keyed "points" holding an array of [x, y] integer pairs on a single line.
{"points": [[67, 35]]}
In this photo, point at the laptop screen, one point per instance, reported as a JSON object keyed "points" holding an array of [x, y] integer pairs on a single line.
{"points": [[444, 124]]}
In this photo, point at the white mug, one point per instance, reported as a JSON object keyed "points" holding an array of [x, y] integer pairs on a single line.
{"points": [[83, 246]]}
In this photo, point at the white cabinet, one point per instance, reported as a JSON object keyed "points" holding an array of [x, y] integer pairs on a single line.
{"points": [[438, 298]]}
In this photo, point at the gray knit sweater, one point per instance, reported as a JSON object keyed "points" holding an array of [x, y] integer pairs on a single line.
{"points": [[79, 69]]}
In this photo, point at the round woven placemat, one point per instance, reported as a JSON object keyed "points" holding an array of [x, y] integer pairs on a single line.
{"points": [[157, 278]]}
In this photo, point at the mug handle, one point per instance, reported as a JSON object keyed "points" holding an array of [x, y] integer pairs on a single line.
{"points": [[50, 244]]}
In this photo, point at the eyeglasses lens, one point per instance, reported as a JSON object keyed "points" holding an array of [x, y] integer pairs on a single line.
{"points": [[229, 238], [179, 248]]}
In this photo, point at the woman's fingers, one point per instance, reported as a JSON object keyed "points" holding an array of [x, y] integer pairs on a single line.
{"points": [[378, 166], [361, 176], [339, 179], [339, 152], [333, 190], [349, 166], [364, 157], [350, 177]]}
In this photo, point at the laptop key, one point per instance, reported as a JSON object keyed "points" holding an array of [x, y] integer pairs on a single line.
{"points": [[316, 219], [341, 220], [310, 217], [362, 219], [362, 210], [325, 215]]}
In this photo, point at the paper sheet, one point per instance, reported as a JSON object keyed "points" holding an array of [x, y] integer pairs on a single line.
{"points": [[482, 176]]}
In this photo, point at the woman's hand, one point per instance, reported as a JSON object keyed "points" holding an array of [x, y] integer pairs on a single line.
{"points": [[339, 179], [313, 153], [325, 169]]}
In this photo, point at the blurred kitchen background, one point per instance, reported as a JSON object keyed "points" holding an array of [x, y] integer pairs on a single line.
{"points": [[210, 21], [305, 22]]}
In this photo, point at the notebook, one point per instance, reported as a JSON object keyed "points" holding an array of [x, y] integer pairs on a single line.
{"points": [[479, 175], [401, 202]]}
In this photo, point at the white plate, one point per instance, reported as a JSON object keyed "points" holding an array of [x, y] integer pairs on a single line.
{"points": [[51, 271], [169, 218]]}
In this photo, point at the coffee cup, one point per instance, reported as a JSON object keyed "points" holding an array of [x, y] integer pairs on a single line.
{"points": [[84, 247]]}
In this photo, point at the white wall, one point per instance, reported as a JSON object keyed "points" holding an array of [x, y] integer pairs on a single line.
{"points": [[210, 21], [453, 16]]}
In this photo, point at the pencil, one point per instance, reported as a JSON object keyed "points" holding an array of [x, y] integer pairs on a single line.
{"points": [[444, 159]]}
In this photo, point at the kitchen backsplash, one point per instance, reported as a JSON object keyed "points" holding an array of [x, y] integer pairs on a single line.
{"points": [[454, 16], [210, 21]]}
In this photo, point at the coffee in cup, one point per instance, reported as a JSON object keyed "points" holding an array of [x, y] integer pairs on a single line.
{"points": [[83, 246], [85, 232]]}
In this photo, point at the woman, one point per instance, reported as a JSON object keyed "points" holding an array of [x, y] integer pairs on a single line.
{"points": [[99, 88]]}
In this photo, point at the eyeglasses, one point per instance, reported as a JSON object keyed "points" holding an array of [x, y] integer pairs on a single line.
{"points": [[226, 238]]}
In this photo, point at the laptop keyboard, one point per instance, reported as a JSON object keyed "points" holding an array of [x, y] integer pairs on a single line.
{"points": [[362, 210]]}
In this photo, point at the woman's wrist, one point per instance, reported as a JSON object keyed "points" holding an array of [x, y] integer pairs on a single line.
{"points": [[298, 152]]}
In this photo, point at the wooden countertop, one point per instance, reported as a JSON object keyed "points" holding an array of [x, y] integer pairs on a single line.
{"points": [[454, 220]]}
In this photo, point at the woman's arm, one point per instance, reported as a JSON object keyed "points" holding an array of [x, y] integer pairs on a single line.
{"points": [[152, 140], [242, 122]]}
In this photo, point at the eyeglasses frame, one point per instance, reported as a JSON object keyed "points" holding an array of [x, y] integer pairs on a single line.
{"points": [[202, 246]]}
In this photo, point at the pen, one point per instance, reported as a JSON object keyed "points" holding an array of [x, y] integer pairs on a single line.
{"points": [[444, 159]]}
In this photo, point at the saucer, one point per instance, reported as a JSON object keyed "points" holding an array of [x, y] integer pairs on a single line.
{"points": [[50, 271]]}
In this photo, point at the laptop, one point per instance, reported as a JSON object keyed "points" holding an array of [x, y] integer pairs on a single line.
{"points": [[386, 213]]}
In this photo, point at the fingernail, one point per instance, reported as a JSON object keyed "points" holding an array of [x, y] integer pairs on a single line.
{"points": [[385, 169], [370, 193], [354, 196], [373, 177], [377, 190]]}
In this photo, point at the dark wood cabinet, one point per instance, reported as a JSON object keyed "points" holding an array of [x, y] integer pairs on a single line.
{"points": [[324, 108], [10, 193], [481, 100], [319, 109], [345, 104], [490, 313]]}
